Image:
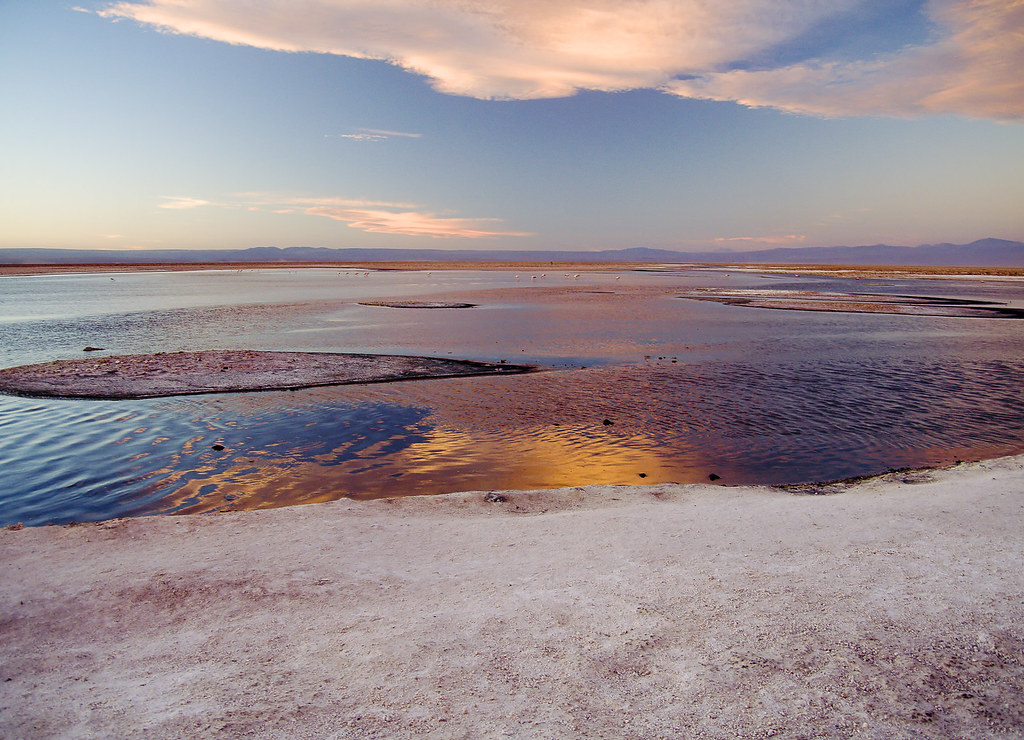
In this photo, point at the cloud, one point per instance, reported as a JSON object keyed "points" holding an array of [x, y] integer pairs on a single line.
{"points": [[377, 216], [710, 49], [787, 239], [389, 134], [414, 223], [252, 199], [373, 134], [177, 203], [974, 69]]}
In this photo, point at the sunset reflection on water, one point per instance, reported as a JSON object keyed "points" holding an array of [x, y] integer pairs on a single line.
{"points": [[687, 388]]}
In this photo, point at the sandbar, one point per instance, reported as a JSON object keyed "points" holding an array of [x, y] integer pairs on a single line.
{"points": [[418, 304], [813, 300], [893, 608], [227, 371]]}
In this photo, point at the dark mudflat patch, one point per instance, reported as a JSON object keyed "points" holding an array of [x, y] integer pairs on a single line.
{"points": [[810, 300], [418, 304], [224, 371]]}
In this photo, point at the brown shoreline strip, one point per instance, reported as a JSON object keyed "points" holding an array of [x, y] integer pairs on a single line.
{"points": [[228, 371], [904, 305]]}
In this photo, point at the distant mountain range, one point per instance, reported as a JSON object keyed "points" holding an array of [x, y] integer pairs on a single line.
{"points": [[981, 253]]}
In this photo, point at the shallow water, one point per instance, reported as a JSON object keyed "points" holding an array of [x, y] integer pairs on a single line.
{"points": [[687, 388]]}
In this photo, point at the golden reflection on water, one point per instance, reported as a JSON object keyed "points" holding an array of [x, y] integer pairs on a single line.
{"points": [[683, 402], [448, 459]]}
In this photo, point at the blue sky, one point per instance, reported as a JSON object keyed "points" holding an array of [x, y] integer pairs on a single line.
{"points": [[510, 124]]}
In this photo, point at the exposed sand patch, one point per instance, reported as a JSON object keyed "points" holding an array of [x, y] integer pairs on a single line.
{"points": [[222, 371], [812, 300], [891, 609]]}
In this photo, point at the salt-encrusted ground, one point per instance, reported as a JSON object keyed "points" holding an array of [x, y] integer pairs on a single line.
{"points": [[894, 608]]}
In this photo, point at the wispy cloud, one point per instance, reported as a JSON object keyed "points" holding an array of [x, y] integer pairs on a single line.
{"points": [[414, 223], [175, 202], [787, 239], [518, 49], [373, 134], [298, 202], [383, 217]]}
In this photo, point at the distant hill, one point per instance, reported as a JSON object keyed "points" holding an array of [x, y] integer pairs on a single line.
{"points": [[981, 253]]}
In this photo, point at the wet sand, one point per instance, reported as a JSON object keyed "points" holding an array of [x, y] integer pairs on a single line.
{"points": [[892, 608]]}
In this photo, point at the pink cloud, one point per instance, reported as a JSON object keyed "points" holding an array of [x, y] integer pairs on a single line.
{"points": [[975, 70], [519, 49], [377, 216], [413, 223], [503, 48]]}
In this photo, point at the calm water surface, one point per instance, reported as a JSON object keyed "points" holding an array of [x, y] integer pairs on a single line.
{"points": [[687, 388]]}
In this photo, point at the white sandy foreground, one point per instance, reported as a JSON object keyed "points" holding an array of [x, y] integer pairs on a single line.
{"points": [[892, 609]]}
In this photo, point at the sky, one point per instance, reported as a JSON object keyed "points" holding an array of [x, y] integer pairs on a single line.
{"points": [[510, 124]]}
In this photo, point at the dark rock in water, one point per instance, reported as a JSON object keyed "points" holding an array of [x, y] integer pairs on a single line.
{"points": [[92, 349], [494, 498], [714, 476], [608, 422], [217, 448], [642, 475]]}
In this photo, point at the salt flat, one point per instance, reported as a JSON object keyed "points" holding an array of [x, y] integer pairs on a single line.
{"points": [[893, 608]]}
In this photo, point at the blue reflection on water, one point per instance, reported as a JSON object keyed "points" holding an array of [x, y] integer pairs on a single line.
{"points": [[69, 461]]}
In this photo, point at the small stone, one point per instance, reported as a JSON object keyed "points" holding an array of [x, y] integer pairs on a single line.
{"points": [[714, 476], [92, 349], [608, 422], [642, 475], [494, 498], [217, 447]]}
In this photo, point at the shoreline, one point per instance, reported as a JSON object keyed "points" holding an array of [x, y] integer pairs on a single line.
{"points": [[90, 268], [858, 271], [894, 607]]}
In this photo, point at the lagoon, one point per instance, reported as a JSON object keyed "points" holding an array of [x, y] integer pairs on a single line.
{"points": [[638, 385]]}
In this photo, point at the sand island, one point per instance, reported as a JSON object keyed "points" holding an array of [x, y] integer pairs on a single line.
{"points": [[224, 371]]}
